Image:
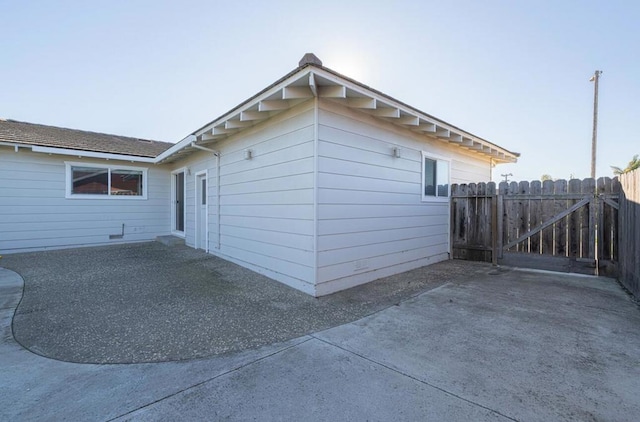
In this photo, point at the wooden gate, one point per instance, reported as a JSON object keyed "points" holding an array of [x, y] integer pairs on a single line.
{"points": [[553, 225]]}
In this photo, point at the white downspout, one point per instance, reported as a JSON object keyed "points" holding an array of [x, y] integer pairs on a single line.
{"points": [[218, 198]]}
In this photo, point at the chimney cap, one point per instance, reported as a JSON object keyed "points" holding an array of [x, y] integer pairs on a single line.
{"points": [[309, 58]]}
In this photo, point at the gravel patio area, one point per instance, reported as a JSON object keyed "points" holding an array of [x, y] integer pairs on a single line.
{"points": [[151, 303]]}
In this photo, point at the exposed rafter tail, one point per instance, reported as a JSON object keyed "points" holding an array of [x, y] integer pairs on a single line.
{"points": [[332, 91], [366, 103], [236, 124], [409, 120], [294, 92], [442, 132], [254, 115], [389, 112], [273, 105]]}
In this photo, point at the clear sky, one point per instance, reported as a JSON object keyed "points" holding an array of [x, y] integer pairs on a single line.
{"points": [[513, 72]]}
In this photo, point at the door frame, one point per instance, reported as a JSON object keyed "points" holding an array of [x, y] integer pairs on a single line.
{"points": [[175, 172], [204, 175]]}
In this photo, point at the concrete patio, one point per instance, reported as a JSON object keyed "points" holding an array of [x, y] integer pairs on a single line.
{"points": [[478, 344]]}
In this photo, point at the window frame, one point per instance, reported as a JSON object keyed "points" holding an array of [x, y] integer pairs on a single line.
{"points": [[69, 165], [437, 159]]}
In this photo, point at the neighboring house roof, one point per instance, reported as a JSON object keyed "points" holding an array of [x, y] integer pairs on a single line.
{"points": [[311, 79], [22, 133]]}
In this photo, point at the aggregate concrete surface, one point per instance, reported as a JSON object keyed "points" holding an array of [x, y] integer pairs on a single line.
{"points": [[488, 344], [148, 302]]}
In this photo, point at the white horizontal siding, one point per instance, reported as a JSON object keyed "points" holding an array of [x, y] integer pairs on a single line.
{"points": [[387, 267], [361, 183], [292, 168], [392, 212], [467, 170], [270, 267], [350, 166], [265, 204], [283, 258], [375, 238], [372, 221], [35, 215], [273, 184], [276, 224], [343, 226], [248, 212]]}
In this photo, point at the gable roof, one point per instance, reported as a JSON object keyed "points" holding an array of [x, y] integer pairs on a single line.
{"points": [[312, 79], [23, 133]]}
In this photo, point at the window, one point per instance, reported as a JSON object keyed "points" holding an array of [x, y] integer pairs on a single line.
{"points": [[435, 177], [203, 191], [99, 181]]}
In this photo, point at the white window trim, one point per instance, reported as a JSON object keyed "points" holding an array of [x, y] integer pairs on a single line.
{"points": [[69, 181], [435, 157]]}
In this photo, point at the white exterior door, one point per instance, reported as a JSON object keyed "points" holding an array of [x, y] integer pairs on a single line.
{"points": [[201, 211]]}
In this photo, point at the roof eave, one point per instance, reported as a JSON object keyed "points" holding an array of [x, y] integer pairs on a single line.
{"points": [[312, 80], [79, 153]]}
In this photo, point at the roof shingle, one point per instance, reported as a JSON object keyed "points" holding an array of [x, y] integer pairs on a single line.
{"points": [[57, 137]]}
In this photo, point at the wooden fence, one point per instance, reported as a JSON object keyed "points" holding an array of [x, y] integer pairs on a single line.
{"points": [[550, 225], [630, 234]]}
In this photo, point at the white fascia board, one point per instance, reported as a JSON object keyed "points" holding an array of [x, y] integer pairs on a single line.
{"points": [[90, 154], [14, 146], [253, 104], [177, 147], [255, 101], [388, 101], [237, 111]]}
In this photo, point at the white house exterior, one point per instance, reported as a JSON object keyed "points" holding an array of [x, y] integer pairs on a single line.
{"points": [[38, 209], [318, 182]]}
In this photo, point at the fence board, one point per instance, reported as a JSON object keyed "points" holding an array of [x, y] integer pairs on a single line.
{"points": [[573, 221], [547, 213], [615, 231], [502, 189], [491, 190], [483, 216], [535, 208], [511, 222], [607, 230], [593, 209], [602, 241], [629, 233], [523, 214], [560, 227], [587, 189]]}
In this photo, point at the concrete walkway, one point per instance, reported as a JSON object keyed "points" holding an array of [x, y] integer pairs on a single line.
{"points": [[505, 345]]}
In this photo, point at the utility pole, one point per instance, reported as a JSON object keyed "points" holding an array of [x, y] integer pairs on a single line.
{"points": [[506, 176], [594, 78]]}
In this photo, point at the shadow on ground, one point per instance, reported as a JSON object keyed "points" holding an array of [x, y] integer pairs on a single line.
{"points": [[151, 303]]}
